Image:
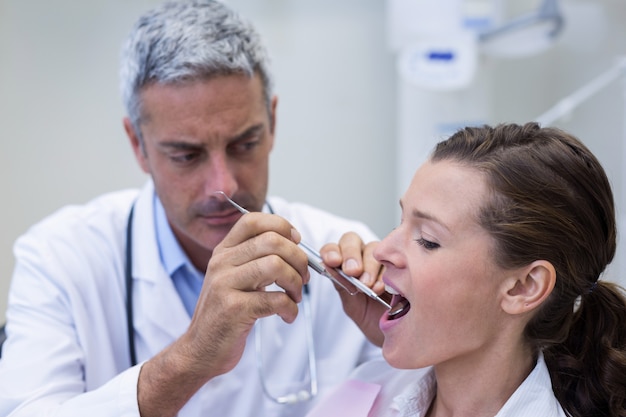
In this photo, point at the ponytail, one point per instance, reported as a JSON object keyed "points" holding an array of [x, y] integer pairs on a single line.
{"points": [[588, 369]]}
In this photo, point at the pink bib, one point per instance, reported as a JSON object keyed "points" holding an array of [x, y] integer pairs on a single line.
{"points": [[350, 399]]}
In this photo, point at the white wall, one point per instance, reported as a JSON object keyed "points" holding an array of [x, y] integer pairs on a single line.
{"points": [[61, 138]]}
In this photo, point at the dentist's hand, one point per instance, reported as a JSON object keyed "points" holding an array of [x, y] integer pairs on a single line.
{"points": [[260, 249], [356, 258]]}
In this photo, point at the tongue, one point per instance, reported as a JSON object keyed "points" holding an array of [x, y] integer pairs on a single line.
{"points": [[399, 307]]}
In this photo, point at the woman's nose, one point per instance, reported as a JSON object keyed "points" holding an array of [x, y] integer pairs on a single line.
{"points": [[386, 251]]}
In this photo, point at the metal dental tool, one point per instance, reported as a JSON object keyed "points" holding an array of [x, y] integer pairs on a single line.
{"points": [[315, 262]]}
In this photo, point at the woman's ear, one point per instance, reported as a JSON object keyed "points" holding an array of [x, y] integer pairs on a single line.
{"points": [[528, 287]]}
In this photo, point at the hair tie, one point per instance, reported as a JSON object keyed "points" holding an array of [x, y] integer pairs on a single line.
{"points": [[593, 287]]}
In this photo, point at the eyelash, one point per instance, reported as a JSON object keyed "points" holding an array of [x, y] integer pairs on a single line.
{"points": [[428, 245], [245, 146], [185, 158]]}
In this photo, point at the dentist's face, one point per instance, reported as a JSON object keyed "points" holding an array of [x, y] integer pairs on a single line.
{"points": [[440, 260], [201, 137]]}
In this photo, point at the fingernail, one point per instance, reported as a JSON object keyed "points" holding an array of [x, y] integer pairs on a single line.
{"points": [[366, 278], [295, 235], [333, 256], [351, 264]]}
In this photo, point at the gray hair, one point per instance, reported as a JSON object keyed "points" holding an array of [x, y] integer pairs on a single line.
{"points": [[189, 40]]}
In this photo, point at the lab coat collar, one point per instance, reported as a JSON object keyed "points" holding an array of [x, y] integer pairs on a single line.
{"points": [[156, 303]]}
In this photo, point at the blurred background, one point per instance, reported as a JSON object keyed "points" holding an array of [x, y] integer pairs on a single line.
{"points": [[366, 88]]}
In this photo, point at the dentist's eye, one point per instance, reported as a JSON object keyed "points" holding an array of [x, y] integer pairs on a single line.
{"points": [[185, 158], [428, 245]]}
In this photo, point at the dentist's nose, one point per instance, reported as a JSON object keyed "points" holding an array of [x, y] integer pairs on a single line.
{"points": [[220, 176]]}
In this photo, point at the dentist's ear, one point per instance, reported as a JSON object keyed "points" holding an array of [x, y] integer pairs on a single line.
{"points": [[137, 145], [528, 287]]}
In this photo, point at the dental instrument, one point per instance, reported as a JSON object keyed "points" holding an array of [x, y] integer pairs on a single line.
{"points": [[315, 262]]}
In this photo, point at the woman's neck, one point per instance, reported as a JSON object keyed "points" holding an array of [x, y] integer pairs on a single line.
{"points": [[480, 385]]}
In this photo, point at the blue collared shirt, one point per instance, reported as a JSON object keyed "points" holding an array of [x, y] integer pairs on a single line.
{"points": [[186, 277]]}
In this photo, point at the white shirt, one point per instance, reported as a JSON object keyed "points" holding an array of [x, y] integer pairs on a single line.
{"points": [[67, 347], [409, 393]]}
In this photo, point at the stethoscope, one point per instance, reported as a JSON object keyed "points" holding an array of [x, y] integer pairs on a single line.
{"points": [[291, 398]]}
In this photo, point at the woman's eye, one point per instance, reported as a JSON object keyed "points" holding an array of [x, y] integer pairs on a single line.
{"points": [[427, 244]]}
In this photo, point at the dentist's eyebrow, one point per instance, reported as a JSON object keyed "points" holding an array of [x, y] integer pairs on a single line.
{"points": [[180, 145], [251, 131], [184, 145]]}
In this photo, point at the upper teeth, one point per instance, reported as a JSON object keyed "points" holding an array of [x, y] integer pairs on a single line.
{"points": [[391, 290]]}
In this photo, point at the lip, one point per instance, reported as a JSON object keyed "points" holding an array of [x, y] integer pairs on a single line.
{"points": [[390, 284], [386, 325], [226, 218]]}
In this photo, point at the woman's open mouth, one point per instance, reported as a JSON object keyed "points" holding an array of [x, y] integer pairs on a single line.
{"points": [[399, 305]]}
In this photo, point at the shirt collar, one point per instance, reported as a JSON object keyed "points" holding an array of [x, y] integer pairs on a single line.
{"points": [[171, 253], [534, 397], [416, 398]]}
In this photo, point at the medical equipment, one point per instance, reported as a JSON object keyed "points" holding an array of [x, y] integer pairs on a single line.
{"points": [[302, 395], [524, 35], [128, 277], [315, 262], [567, 105], [3, 337], [399, 309]]}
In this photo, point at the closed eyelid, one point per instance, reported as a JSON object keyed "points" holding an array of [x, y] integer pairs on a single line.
{"points": [[428, 244]]}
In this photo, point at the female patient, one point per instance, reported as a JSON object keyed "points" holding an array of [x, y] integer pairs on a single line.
{"points": [[497, 306]]}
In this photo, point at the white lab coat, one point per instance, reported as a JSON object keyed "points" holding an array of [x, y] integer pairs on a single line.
{"points": [[67, 348]]}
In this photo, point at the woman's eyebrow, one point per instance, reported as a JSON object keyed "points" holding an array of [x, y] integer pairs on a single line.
{"points": [[418, 214]]}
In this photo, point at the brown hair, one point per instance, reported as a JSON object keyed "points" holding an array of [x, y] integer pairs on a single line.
{"points": [[552, 200]]}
